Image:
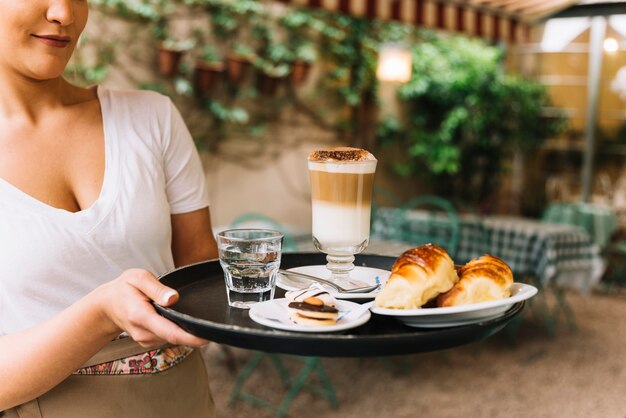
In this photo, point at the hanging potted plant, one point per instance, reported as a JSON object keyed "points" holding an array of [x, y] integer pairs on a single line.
{"points": [[208, 72], [169, 50], [273, 68], [238, 62], [305, 55], [270, 77], [169, 55]]}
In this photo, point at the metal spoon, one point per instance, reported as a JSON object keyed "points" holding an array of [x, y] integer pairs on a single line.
{"points": [[362, 289]]}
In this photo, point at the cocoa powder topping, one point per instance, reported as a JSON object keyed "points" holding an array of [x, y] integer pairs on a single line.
{"points": [[341, 154]]}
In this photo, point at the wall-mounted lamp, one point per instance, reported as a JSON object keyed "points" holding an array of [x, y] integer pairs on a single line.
{"points": [[611, 45], [394, 63]]}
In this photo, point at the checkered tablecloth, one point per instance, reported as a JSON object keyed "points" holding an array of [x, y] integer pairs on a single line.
{"points": [[599, 221], [420, 227], [554, 253]]}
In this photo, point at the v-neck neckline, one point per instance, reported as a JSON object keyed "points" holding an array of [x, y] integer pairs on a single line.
{"points": [[99, 207]]}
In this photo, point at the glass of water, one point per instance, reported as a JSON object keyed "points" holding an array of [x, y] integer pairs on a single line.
{"points": [[250, 259]]}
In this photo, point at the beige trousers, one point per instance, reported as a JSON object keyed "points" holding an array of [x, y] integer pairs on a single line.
{"points": [[180, 391]]}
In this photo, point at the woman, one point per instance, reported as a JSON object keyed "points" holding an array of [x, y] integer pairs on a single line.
{"points": [[99, 191]]}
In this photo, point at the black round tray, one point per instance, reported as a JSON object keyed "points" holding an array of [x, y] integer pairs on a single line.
{"points": [[203, 310]]}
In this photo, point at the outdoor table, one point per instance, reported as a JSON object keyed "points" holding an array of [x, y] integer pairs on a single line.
{"points": [[203, 310], [599, 221], [559, 254]]}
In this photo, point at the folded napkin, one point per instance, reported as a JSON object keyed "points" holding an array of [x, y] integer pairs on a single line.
{"points": [[314, 290]]}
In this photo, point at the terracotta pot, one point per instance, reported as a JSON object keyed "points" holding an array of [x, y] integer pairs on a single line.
{"points": [[207, 76], [300, 72], [268, 85], [168, 61], [237, 67]]}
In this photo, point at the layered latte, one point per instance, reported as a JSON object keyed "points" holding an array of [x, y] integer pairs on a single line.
{"points": [[341, 197]]}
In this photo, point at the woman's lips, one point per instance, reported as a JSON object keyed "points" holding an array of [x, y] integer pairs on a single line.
{"points": [[54, 40]]}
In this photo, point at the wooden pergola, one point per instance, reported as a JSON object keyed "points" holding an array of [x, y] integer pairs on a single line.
{"points": [[501, 20]]}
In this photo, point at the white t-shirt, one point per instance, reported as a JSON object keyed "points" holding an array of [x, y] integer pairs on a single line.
{"points": [[50, 257]]}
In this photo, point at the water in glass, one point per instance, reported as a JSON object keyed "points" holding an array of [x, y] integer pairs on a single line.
{"points": [[250, 269]]}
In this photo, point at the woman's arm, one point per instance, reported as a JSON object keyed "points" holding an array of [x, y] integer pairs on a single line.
{"points": [[37, 359], [192, 237]]}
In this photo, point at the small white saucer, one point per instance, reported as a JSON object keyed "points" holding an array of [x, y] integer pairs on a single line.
{"points": [[274, 313], [368, 275]]}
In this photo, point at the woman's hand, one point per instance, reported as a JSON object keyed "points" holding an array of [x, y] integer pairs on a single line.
{"points": [[126, 303], [29, 368]]}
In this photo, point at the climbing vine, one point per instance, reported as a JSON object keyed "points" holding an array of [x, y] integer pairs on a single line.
{"points": [[244, 62]]}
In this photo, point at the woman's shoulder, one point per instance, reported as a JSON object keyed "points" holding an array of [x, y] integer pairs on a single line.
{"points": [[136, 99]]}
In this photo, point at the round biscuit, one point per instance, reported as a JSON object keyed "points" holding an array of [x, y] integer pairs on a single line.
{"points": [[315, 314], [301, 320]]}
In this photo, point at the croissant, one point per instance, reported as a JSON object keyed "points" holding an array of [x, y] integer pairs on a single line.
{"points": [[417, 276], [481, 280]]}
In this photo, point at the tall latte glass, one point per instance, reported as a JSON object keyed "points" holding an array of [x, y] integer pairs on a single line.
{"points": [[341, 199]]}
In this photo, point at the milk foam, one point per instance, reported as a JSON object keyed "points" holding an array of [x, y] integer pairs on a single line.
{"points": [[355, 167], [339, 225]]}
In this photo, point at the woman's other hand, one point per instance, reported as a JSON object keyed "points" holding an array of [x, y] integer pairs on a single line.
{"points": [[126, 303]]}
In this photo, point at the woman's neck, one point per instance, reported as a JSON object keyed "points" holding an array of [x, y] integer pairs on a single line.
{"points": [[30, 100]]}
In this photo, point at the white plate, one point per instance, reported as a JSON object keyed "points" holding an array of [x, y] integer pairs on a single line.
{"points": [[368, 275], [277, 308], [459, 315]]}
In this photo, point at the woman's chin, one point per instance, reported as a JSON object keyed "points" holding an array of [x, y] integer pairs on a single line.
{"points": [[47, 70], [46, 76]]}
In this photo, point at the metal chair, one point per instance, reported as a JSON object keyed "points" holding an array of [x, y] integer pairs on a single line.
{"points": [[293, 386], [600, 223]]}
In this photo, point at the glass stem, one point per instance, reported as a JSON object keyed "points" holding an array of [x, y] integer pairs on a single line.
{"points": [[340, 266]]}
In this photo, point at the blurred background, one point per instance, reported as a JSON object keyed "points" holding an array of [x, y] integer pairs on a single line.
{"points": [[495, 111], [512, 111]]}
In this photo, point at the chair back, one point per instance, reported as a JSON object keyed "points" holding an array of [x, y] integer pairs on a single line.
{"points": [[259, 220]]}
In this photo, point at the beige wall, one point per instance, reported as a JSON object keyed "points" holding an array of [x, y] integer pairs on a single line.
{"points": [[278, 188]]}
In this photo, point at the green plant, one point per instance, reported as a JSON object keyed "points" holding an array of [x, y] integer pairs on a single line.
{"points": [[177, 44], [228, 18], [272, 69], [306, 52], [234, 115], [88, 74], [274, 42], [146, 10], [465, 117], [210, 54], [279, 53], [244, 50], [275, 61]]}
